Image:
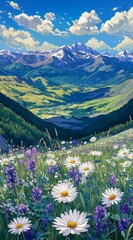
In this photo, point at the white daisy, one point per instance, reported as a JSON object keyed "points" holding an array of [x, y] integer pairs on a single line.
{"points": [[72, 162], [126, 164], [130, 156], [64, 192], [123, 152], [72, 222], [111, 196], [50, 162], [93, 139], [96, 153], [4, 161], [86, 168], [19, 225]]}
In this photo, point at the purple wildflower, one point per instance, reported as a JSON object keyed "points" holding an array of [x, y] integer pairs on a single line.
{"points": [[36, 194], [124, 224], [100, 222], [112, 180], [125, 209], [31, 165], [28, 153], [11, 176], [49, 208], [22, 208]]}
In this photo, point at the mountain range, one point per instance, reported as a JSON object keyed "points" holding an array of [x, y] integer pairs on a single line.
{"points": [[69, 86]]}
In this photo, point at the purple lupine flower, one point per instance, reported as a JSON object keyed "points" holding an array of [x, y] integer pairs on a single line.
{"points": [[30, 234], [31, 165], [50, 170], [77, 179], [34, 151], [49, 208], [72, 172], [36, 194], [57, 168], [19, 182], [124, 224], [11, 176], [125, 209], [28, 153], [100, 222], [20, 161], [22, 208], [112, 180]]}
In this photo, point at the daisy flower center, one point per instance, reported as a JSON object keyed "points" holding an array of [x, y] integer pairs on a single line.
{"points": [[72, 161], [112, 197], [64, 194], [4, 161], [72, 224], [86, 169], [19, 225], [51, 162]]}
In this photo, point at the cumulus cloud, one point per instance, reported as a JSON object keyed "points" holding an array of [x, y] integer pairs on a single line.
{"points": [[86, 24], [47, 46], [23, 40], [35, 23], [126, 44], [96, 44], [18, 38], [14, 5], [120, 24], [50, 16]]}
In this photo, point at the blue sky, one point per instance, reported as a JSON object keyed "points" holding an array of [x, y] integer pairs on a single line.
{"points": [[105, 25]]}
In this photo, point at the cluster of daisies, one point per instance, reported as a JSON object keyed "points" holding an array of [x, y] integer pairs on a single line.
{"points": [[64, 176]]}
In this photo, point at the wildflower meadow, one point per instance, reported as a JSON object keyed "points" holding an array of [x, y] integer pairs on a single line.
{"points": [[78, 191]]}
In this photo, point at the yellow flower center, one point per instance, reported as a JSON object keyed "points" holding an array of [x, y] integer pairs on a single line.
{"points": [[19, 225], [51, 162], [72, 224], [72, 161], [4, 161], [86, 169], [64, 194], [112, 197]]}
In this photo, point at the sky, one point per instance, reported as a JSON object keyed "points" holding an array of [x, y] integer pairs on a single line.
{"points": [[39, 25]]}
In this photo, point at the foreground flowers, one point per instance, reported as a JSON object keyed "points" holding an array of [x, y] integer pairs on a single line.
{"points": [[86, 168], [111, 196], [64, 192], [72, 222], [19, 225], [72, 162]]}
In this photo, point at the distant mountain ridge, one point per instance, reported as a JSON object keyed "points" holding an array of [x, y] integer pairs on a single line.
{"points": [[68, 54]]}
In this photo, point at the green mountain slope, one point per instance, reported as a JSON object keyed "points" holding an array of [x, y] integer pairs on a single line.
{"points": [[48, 100]]}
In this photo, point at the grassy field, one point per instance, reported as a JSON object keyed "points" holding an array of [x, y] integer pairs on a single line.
{"points": [[47, 100], [83, 190]]}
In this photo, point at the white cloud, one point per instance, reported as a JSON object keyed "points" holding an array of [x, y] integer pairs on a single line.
{"points": [[18, 38], [126, 44], [120, 24], [68, 23], [50, 16], [96, 44], [36, 23], [47, 46], [114, 9], [86, 24], [14, 5]]}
